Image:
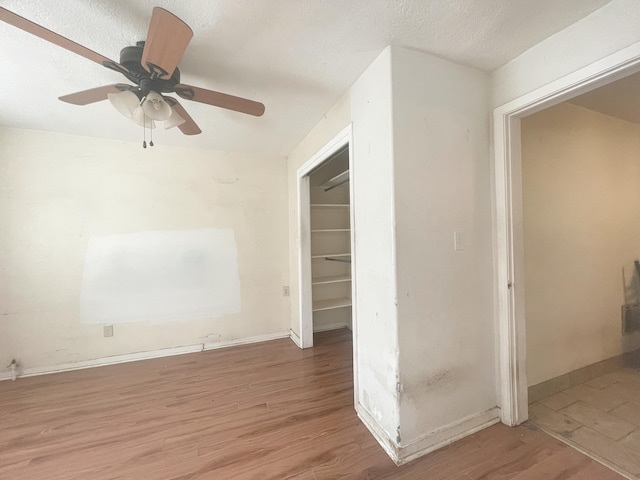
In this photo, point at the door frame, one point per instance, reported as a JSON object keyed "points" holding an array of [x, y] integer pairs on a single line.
{"points": [[508, 230], [336, 144]]}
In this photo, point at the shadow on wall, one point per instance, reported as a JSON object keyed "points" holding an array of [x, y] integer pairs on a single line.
{"points": [[631, 281], [631, 309]]}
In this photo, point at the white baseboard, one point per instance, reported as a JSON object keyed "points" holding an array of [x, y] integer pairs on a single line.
{"points": [[448, 434], [295, 338], [101, 362], [245, 340], [401, 454], [324, 328], [329, 326], [383, 438], [134, 357]]}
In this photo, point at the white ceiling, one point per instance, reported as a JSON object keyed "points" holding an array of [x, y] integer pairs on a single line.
{"points": [[620, 99], [298, 57]]}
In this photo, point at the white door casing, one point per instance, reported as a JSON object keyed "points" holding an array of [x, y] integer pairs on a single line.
{"points": [[335, 145], [508, 232]]}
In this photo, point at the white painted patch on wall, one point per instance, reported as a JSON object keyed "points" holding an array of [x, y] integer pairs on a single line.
{"points": [[160, 276]]}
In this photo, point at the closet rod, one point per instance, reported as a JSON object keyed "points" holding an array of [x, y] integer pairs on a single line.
{"points": [[336, 185]]}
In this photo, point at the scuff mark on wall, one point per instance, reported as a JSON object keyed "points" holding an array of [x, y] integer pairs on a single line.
{"points": [[210, 337], [437, 382], [399, 386], [226, 181], [373, 411], [437, 378]]}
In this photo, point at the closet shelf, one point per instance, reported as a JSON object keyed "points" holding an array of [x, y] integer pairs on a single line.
{"points": [[331, 303], [337, 180], [331, 279], [329, 205], [329, 230]]}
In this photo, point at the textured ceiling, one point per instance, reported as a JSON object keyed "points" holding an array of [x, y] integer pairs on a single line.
{"points": [[298, 57], [620, 99]]}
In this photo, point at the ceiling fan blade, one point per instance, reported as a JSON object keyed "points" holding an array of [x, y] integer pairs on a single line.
{"points": [[218, 99], [167, 39], [189, 127], [39, 31], [94, 95]]}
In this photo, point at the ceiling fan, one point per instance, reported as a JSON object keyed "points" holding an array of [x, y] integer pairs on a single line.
{"points": [[151, 66]]}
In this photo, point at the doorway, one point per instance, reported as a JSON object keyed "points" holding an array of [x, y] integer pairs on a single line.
{"points": [[581, 202], [331, 244], [508, 224], [326, 241]]}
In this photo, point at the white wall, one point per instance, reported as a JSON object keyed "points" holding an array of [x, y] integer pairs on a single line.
{"points": [[604, 32], [424, 312], [59, 191], [375, 256], [425, 328], [581, 205], [442, 186]]}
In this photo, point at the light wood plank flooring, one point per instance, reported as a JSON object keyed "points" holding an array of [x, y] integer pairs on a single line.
{"points": [[601, 417], [265, 411]]}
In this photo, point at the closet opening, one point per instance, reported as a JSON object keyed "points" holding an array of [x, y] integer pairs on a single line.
{"points": [[330, 244], [326, 240]]}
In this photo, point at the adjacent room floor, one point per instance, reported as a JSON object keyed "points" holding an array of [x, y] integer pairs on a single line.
{"points": [[600, 417], [267, 411]]}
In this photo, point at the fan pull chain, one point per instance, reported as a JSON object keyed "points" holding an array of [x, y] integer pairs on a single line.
{"points": [[144, 131]]}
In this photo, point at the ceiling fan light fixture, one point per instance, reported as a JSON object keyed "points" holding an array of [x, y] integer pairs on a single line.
{"points": [[174, 120], [125, 102], [139, 117], [155, 107]]}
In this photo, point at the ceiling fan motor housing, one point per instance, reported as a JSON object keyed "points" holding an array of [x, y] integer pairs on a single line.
{"points": [[131, 59]]}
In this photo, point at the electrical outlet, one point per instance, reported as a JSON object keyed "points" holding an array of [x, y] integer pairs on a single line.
{"points": [[285, 291], [107, 330]]}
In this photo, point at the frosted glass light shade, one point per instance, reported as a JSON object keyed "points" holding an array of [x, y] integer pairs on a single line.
{"points": [[174, 120], [140, 118], [155, 107], [125, 102]]}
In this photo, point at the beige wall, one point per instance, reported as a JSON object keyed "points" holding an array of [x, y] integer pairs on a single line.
{"points": [[581, 206], [58, 191]]}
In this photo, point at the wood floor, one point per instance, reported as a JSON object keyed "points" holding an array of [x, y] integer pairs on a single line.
{"points": [[265, 411]]}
